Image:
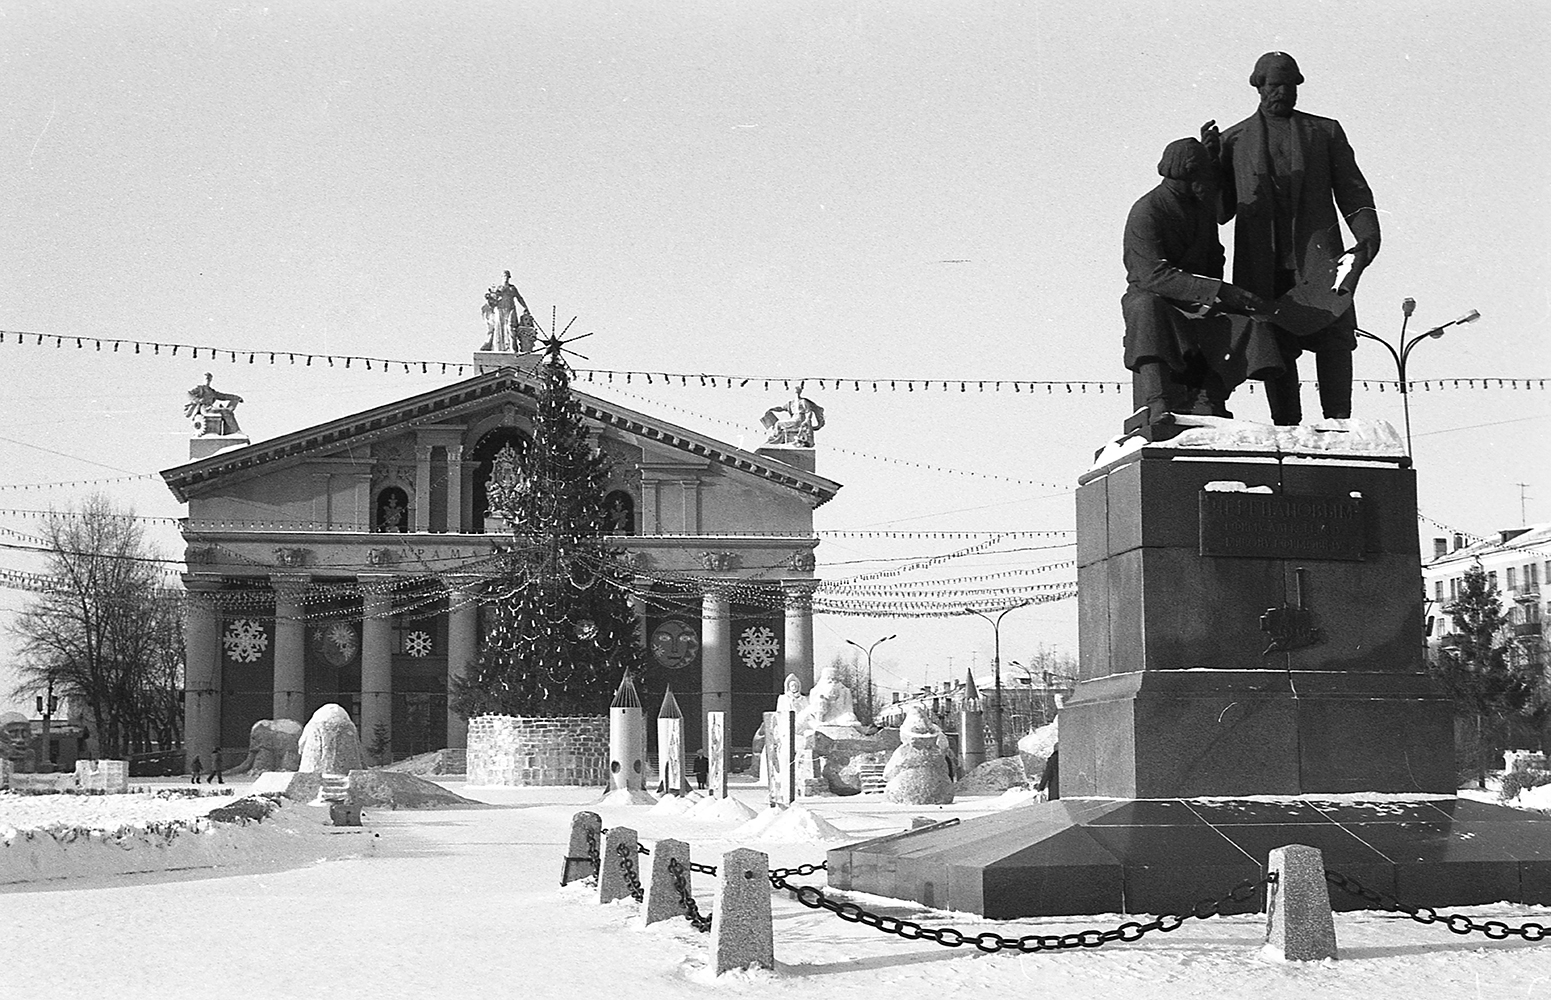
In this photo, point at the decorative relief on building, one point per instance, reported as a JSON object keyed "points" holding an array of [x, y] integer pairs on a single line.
{"points": [[193, 554], [336, 643], [758, 647], [802, 562], [292, 557], [245, 640], [675, 643], [418, 643], [719, 562], [381, 557]]}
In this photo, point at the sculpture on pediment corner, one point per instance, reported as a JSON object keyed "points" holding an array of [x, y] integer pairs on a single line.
{"points": [[213, 412], [802, 417]]}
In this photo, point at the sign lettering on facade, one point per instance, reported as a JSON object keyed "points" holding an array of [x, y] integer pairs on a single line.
{"points": [[1281, 526]]}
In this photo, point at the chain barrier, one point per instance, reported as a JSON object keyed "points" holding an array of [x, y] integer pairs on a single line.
{"points": [[627, 866], [990, 941], [1459, 923], [687, 898]]}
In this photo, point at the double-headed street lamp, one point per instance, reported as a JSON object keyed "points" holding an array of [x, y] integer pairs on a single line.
{"points": [[1407, 306], [871, 709], [996, 660]]}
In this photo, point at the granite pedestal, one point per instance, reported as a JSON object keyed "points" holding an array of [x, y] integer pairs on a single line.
{"points": [[1250, 624]]}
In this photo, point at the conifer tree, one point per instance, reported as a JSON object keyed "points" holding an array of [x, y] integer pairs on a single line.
{"points": [[1490, 687], [563, 632]]}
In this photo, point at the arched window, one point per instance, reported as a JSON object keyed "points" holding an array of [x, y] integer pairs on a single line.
{"points": [[619, 512], [484, 453], [392, 510]]}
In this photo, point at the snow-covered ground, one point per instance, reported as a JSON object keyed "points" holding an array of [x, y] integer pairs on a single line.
{"points": [[465, 903]]}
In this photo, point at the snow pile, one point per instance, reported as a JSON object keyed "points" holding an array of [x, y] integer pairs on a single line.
{"points": [[676, 805], [1533, 798], [793, 824], [1041, 742], [728, 810], [1015, 797], [45, 838], [628, 797], [377, 788], [993, 777], [1376, 438]]}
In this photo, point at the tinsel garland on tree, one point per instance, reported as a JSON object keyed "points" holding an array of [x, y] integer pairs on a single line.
{"points": [[562, 632]]}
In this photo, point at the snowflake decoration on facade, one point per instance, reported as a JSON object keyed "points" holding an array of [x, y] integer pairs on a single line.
{"points": [[245, 640], [757, 647], [418, 644]]}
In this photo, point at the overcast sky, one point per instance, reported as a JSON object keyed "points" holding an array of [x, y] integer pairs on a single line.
{"points": [[855, 191]]}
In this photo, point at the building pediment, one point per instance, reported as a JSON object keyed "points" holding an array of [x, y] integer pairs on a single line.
{"points": [[502, 397]]}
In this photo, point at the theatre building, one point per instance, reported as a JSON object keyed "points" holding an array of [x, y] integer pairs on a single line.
{"points": [[348, 562]]}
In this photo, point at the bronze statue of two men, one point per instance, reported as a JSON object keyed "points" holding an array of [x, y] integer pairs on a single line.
{"points": [[1281, 175]]}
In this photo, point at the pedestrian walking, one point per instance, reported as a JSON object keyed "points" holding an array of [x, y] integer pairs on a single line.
{"points": [[216, 768], [194, 771], [702, 769]]}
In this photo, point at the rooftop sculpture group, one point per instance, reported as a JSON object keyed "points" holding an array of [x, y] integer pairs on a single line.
{"points": [[1281, 175], [802, 417], [503, 335], [211, 410]]}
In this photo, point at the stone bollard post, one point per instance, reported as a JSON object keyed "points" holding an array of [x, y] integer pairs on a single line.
{"points": [[741, 934], [612, 883], [662, 894], [1299, 925], [586, 836]]}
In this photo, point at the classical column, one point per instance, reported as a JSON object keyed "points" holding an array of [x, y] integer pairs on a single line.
{"points": [[799, 630], [376, 656], [202, 671], [422, 519], [715, 655], [462, 646], [290, 684], [454, 489]]}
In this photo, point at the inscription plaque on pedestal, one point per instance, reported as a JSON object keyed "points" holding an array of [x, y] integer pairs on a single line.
{"points": [[1281, 526]]}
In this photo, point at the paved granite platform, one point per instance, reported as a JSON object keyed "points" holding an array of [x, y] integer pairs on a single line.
{"points": [[1101, 855]]}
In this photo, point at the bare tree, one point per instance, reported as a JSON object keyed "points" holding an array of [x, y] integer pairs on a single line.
{"points": [[105, 630]]}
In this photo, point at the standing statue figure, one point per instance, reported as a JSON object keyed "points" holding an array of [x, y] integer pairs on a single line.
{"points": [[803, 417], [1284, 174], [527, 332], [792, 699], [1185, 352], [507, 298], [489, 312], [213, 411]]}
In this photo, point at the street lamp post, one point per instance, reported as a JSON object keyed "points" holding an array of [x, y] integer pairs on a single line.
{"points": [[871, 712], [996, 661], [1401, 355]]}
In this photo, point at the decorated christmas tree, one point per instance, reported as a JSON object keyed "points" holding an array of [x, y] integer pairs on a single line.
{"points": [[562, 632]]}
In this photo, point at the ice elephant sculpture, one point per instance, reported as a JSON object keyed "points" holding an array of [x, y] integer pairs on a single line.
{"points": [[273, 745]]}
